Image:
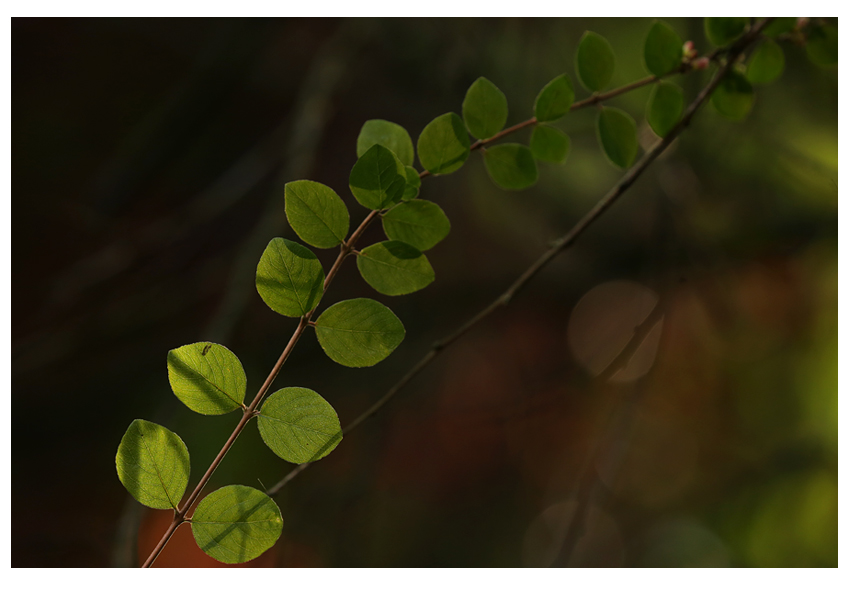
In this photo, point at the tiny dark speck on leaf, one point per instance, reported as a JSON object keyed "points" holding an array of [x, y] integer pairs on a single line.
{"points": [[206, 349]]}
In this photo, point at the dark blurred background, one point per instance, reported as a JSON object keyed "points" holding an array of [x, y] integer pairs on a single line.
{"points": [[149, 161]]}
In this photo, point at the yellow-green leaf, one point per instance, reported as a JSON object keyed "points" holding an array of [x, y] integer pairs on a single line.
{"points": [[153, 464], [299, 425], [207, 377], [236, 524], [359, 332], [316, 213], [394, 268], [290, 278], [421, 224], [390, 135]]}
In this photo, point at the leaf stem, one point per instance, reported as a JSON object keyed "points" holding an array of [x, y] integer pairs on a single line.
{"points": [[556, 247], [180, 515]]}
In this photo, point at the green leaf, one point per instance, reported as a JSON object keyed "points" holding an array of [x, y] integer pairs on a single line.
{"points": [[511, 166], [554, 100], [207, 377], [290, 278], [723, 30], [618, 136], [316, 213], [594, 62], [485, 109], [394, 268], [779, 26], [662, 50], [666, 102], [390, 135], [299, 425], [734, 96], [822, 45], [549, 144], [411, 189], [236, 524], [153, 464], [766, 63], [378, 178], [443, 145], [359, 332], [421, 224]]}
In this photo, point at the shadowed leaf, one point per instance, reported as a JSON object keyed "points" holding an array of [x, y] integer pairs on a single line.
{"points": [[666, 102], [207, 377], [549, 144], [485, 109], [378, 178], [443, 145], [594, 62], [554, 100], [618, 136], [662, 49], [236, 524], [511, 166], [390, 135], [394, 268], [153, 464], [289, 278], [421, 224]]}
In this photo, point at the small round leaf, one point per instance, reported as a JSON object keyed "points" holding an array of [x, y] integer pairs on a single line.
{"points": [[290, 278], [236, 524], [618, 136], [390, 135], [662, 49], [421, 224], [378, 178], [723, 30], [299, 425], [594, 62], [511, 166], [207, 377], [316, 213], [549, 144], [666, 102], [485, 109], [443, 145], [411, 188], [766, 63], [734, 96], [822, 45], [153, 464], [554, 100], [394, 268], [359, 332]]}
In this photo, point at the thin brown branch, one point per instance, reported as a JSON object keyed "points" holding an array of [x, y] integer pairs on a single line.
{"points": [[180, 515], [557, 247]]}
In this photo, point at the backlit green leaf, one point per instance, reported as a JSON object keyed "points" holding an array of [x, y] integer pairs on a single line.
{"points": [[554, 100], [411, 188], [316, 213], [485, 109], [766, 63], [662, 50], [394, 268], [594, 62], [236, 524], [443, 145], [207, 377], [421, 224], [666, 102], [734, 96], [779, 26], [299, 425], [511, 166], [723, 30], [549, 144], [290, 278], [378, 178], [822, 45], [390, 135], [153, 464], [618, 136], [359, 332]]}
